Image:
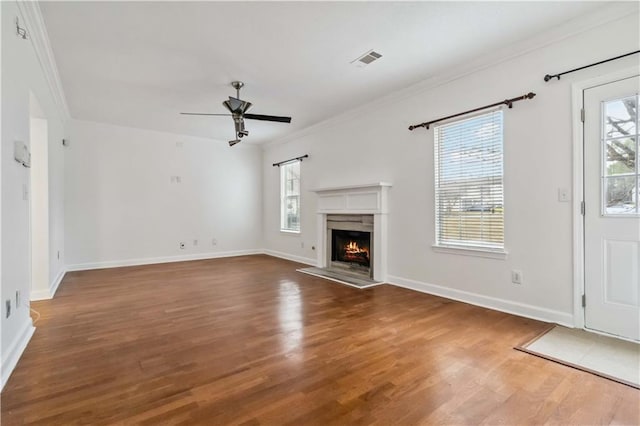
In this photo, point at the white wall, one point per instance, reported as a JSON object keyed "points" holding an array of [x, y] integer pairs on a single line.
{"points": [[123, 208], [39, 210], [373, 144], [22, 74]]}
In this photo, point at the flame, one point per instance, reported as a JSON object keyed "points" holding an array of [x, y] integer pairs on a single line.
{"points": [[354, 249]]}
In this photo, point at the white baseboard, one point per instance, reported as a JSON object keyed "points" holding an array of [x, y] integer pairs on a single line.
{"points": [[53, 287], [502, 305], [15, 350], [39, 295], [154, 260], [287, 256]]}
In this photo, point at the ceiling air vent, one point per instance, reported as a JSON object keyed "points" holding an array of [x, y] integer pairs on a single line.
{"points": [[366, 59]]}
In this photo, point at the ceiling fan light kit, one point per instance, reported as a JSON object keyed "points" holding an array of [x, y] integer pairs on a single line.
{"points": [[238, 108]]}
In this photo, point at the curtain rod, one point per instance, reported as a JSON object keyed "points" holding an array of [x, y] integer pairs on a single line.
{"points": [[508, 102], [290, 160], [549, 76]]}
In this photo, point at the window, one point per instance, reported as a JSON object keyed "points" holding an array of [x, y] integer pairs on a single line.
{"points": [[620, 177], [468, 183], [290, 194]]}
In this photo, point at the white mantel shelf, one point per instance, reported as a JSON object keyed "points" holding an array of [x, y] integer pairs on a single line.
{"points": [[369, 198]]}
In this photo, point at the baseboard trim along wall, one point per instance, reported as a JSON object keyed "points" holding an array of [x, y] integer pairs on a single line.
{"points": [[502, 305], [15, 351], [154, 260], [53, 287], [56, 283], [287, 256]]}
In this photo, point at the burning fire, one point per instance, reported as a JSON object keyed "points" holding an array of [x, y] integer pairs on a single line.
{"points": [[354, 252]]}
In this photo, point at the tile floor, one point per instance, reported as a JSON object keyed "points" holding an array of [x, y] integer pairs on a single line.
{"points": [[607, 355]]}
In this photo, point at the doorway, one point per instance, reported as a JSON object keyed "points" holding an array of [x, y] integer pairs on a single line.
{"points": [[611, 224]]}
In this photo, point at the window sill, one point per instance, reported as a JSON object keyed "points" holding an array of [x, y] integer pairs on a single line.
{"points": [[288, 232], [469, 251]]}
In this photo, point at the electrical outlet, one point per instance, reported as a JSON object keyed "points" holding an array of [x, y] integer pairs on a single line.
{"points": [[214, 242], [182, 246], [516, 276], [7, 304], [301, 244], [564, 195]]}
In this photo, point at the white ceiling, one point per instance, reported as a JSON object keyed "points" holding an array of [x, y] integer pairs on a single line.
{"points": [[139, 64]]}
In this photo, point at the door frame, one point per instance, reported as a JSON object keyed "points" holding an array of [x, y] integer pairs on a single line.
{"points": [[577, 103]]}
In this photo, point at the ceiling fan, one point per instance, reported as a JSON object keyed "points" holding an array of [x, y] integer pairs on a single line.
{"points": [[238, 109]]}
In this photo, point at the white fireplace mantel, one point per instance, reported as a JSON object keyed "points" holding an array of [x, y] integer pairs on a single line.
{"points": [[356, 199]]}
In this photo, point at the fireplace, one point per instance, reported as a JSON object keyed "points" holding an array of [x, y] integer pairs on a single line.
{"points": [[350, 247], [362, 211]]}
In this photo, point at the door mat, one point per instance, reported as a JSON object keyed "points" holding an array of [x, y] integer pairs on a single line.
{"points": [[604, 356]]}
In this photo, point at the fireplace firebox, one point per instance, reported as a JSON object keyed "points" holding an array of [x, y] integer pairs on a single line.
{"points": [[350, 244], [351, 247]]}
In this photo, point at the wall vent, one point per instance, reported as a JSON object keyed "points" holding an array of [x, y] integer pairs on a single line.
{"points": [[366, 59]]}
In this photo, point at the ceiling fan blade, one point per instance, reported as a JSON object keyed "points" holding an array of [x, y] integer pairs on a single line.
{"points": [[268, 118], [202, 113]]}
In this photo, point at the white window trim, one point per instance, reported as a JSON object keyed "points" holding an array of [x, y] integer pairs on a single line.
{"points": [[284, 231], [290, 232], [476, 251], [471, 251]]}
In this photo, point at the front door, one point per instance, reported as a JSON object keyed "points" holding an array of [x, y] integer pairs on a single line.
{"points": [[612, 214]]}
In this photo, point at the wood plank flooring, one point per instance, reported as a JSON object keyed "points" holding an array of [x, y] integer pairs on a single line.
{"points": [[248, 340]]}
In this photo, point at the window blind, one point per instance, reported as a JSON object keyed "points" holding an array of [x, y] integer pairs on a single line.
{"points": [[469, 182]]}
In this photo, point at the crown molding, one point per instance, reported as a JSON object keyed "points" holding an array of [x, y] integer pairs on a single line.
{"points": [[601, 16], [37, 30]]}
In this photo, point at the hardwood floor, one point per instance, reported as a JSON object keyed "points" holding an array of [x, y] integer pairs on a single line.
{"points": [[249, 340]]}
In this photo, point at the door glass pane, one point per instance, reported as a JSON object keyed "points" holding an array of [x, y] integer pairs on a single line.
{"points": [[620, 155], [620, 195], [620, 117]]}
